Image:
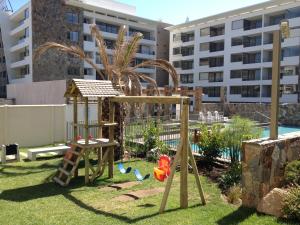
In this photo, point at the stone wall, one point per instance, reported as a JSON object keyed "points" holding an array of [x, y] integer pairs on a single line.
{"points": [[49, 25], [289, 114], [263, 164]]}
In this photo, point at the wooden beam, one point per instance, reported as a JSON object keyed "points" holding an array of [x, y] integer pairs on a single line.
{"points": [[75, 119], [100, 112], [196, 174], [111, 137], [86, 133], [151, 99], [184, 133], [275, 84], [170, 180]]}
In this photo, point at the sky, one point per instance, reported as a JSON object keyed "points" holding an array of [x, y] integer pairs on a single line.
{"points": [[176, 11]]}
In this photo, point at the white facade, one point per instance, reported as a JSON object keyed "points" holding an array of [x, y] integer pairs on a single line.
{"points": [[234, 50], [18, 36]]}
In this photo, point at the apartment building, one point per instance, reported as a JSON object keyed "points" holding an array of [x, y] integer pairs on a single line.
{"points": [[232, 51], [68, 22]]}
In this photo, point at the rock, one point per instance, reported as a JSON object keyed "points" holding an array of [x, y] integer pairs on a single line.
{"points": [[272, 203]]}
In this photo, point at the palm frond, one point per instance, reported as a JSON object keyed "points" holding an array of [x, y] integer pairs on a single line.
{"points": [[117, 58], [102, 50], [130, 50], [162, 64]]}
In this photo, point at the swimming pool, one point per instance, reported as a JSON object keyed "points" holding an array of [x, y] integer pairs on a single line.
{"points": [[225, 154]]}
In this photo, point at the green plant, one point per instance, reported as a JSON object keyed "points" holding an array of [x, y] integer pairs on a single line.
{"points": [[234, 194], [211, 143], [291, 206], [292, 172], [239, 130], [231, 177]]}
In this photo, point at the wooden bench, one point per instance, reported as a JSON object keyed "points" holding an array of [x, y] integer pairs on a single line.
{"points": [[60, 150]]}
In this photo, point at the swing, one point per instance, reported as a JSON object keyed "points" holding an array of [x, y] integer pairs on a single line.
{"points": [[163, 170], [122, 169], [139, 176]]}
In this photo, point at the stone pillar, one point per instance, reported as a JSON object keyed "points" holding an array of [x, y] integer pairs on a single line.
{"points": [[263, 164], [198, 99]]}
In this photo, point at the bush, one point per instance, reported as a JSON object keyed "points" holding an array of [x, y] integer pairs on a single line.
{"points": [[231, 177], [239, 130], [211, 143], [234, 194], [292, 172], [291, 206]]}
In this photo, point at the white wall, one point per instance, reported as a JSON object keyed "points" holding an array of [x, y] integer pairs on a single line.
{"points": [[32, 125]]}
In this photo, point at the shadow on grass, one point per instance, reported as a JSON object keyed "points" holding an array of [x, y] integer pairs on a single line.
{"points": [[116, 216], [237, 216]]}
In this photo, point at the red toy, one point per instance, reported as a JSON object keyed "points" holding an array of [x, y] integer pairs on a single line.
{"points": [[163, 170]]}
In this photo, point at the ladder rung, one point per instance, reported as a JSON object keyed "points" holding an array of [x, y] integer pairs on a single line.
{"points": [[69, 161], [74, 152], [57, 180], [64, 171]]}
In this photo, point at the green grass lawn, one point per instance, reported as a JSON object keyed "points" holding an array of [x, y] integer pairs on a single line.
{"points": [[28, 196]]}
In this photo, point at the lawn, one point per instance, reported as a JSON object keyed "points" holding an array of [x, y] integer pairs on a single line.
{"points": [[28, 196]]}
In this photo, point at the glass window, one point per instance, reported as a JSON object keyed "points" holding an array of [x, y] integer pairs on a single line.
{"points": [[73, 36], [204, 46], [203, 76], [236, 58], [204, 62], [205, 32], [235, 90], [72, 18], [73, 71], [238, 24], [187, 78]]}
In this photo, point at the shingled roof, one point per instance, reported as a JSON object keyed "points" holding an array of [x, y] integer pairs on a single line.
{"points": [[92, 88]]}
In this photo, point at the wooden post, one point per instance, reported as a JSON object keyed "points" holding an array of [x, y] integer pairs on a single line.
{"points": [[75, 119], [275, 84], [198, 99], [86, 133], [111, 139], [184, 155], [100, 112]]}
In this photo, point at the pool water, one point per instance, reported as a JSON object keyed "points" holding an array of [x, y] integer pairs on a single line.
{"points": [[225, 154], [281, 130]]}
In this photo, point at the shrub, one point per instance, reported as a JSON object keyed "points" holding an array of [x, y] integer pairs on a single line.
{"points": [[234, 194], [292, 172], [291, 206], [231, 177], [239, 130], [211, 143]]}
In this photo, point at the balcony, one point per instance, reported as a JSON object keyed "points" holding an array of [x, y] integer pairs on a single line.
{"points": [[22, 43], [22, 62], [252, 24], [21, 26]]}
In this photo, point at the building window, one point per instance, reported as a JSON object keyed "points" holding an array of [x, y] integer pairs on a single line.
{"points": [[88, 71], [187, 78], [73, 36], [235, 90], [236, 58], [176, 64], [204, 62], [205, 32], [213, 91], [204, 47], [236, 41], [238, 24], [26, 13], [203, 76], [73, 71], [87, 37], [72, 18], [251, 91], [235, 74], [215, 77]]}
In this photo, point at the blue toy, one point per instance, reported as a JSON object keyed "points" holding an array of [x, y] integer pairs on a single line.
{"points": [[122, 169], [139, 176]]}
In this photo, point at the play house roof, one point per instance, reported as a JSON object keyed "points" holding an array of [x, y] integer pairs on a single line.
{"points": [[92, 88]]}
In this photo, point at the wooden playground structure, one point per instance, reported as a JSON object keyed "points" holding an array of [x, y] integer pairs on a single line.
{"points": [[91, 92]]}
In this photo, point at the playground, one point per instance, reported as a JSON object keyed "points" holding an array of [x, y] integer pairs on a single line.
{"points": [[26, 187]]}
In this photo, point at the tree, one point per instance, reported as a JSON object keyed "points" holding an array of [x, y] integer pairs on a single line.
{"points": [[119, 71]]}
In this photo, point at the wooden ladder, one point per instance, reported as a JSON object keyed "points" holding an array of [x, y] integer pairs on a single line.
{"points": [[69, 166]]}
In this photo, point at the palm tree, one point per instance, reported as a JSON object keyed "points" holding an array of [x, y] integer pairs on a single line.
{"points": [[119, 71]]}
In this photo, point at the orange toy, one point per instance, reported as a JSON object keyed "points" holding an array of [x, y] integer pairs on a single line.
{"points": [[163, 170]]}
